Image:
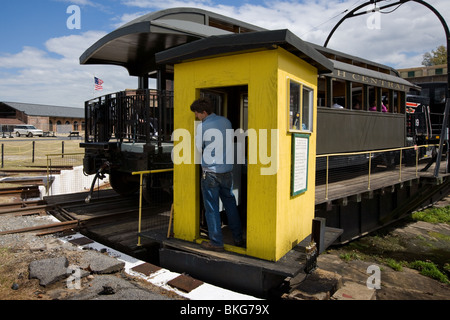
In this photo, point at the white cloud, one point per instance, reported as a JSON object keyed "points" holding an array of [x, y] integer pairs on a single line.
{"points": [[55, 76], [405, 34]]}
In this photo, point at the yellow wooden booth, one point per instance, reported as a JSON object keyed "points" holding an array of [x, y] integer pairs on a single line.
{"points": [[266, 84]]}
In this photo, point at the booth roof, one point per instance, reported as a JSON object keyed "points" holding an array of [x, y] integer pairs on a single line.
{"points": [[232, 43]]}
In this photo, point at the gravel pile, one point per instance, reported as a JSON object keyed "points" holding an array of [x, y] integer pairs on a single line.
{"points": [[20, 240]]}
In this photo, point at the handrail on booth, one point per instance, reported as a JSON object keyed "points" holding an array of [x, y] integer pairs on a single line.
{"points": [[141, 174]]}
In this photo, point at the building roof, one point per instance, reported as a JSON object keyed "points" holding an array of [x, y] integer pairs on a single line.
{"points": [[46, 110], [239, 42]]}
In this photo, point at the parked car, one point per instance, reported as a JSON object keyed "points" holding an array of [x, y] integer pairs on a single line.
{"points": [[27, 130]]}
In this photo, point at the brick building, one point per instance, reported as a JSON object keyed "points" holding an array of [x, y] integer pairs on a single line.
{"points": [[436, 73], [56, 119]]}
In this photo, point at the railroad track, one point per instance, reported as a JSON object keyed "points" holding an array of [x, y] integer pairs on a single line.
{"points": [[74, 214], [25, 192]]}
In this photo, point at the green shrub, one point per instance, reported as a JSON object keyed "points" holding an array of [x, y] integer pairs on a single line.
{"points": [[433, 215], [429, 269]]}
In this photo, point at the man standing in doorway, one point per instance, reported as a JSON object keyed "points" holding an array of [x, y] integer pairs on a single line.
{"points": [[217, 178]]}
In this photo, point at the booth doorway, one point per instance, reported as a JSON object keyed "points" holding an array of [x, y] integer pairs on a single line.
{"points": [[232, 103]]}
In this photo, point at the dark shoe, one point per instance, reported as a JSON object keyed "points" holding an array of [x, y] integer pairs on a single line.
{"points": [[240, 243], [209, 246]]}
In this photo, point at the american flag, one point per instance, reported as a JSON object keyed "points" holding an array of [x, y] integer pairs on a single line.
{"points": [[98, 84]]}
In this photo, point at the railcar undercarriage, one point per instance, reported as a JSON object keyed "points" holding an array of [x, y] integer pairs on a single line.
{"points": [[128, 132]]}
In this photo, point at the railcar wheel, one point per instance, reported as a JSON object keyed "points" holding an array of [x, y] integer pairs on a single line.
{"points": [[123, 183]]}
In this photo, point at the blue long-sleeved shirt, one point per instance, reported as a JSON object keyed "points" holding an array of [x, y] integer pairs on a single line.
{"points": [[216, 146]]}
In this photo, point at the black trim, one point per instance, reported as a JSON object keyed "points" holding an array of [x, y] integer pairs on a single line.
{"points": [[232, 43]]}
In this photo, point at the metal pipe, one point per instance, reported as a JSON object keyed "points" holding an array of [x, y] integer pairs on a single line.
{"points": [[370, 167], [140, 209], [326, 184]]}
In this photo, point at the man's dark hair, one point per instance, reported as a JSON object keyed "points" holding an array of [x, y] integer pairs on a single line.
{"points": [[202, 104]]}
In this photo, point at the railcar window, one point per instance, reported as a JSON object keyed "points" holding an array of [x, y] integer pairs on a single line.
{"points": [[321, 92], [357, 96], [301, 106], [425, 92], [439, 95], [294, 106], [339, 94], [307, 108], [385, 107]]}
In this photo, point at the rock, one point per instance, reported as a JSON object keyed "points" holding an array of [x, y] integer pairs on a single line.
{"points": [[319, 285], [107, 290], [15, 286], [112, 287], [48, 271], [354, 291], [101, 263]]}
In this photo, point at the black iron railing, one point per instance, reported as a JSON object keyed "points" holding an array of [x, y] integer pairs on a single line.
{"points": [[130, 116]]}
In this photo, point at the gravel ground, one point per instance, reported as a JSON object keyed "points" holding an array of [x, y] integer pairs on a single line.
{"points": [[17, 251], [25, 239]]}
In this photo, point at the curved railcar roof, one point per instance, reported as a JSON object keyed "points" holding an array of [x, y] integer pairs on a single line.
{"points": [[134, 45], [366, 76]]}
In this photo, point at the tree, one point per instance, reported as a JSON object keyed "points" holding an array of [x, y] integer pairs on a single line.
{"points": [[438, 56]]}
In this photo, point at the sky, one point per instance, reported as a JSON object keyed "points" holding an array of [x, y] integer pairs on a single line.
{"points": [[41, 41]]}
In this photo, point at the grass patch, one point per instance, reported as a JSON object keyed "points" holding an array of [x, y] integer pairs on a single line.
{"points": [[429, 269], [397, 266], [349, 256], [433, 215], [19, 154]]}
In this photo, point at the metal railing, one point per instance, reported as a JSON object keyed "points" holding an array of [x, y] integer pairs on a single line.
{"points": [[141, 190], [130, 116], [343, 166]]}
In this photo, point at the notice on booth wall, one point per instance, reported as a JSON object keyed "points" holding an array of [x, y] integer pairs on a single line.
{"points": [[299, 170]]}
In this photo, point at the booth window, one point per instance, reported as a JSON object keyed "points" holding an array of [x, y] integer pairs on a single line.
{"points": [[300, 107]]}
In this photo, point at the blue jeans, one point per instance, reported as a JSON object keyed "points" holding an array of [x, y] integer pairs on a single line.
{"points": [[215, 185]]}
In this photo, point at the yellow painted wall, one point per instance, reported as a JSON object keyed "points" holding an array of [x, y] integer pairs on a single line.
{"points": [[295, 214], [275, 221]]}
